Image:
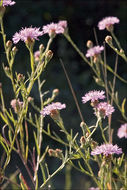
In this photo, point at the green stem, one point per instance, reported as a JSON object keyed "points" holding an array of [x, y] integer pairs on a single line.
{"points": [[116, 40]]}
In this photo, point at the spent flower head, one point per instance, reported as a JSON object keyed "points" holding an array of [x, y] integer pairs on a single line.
{"points": [[107, 149], [52, 108], [104, 109], [108, 22], [94, 51], [52, 29], [26, 34], [8, 2], [93, 96], [122, 131]]}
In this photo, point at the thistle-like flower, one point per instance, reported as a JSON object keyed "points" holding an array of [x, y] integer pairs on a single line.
{"points": [[122, 131], [53, 28], [52, 109], [107, 23], [8, 2], [27, 34], [107, 149], [63, 23], [93, 96], [104, 109], [94, 51]]}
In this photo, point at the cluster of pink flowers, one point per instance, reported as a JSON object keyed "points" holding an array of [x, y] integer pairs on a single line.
{"points": [[8, 2], [55, 28], [51, 107], [26, 34], [107, 149], [122, 131], [107, 22], [102, 109], [94, 51]]}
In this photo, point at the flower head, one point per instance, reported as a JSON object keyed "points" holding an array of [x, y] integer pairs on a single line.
{"points": [[53, 29], [16, 105], [52, 108], [27, 34], [93, 96], [94, 51], [107, 22], [8, 2], [107, 149], [122, 131], [104, 109]]}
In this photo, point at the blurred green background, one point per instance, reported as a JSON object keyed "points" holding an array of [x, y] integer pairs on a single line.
{"points": [[82, 17]]}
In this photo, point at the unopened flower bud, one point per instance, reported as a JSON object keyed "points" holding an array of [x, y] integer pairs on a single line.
{"points": [[82, 124], [49, 55], [52, 152], [108, 39], [82, 141], [7, 71], [20, 77], [41, 48], [122, 51], [9, 44], [89, 44], [59, 153], [14, 50], [30, 99], [56, 92], [94, 144]]}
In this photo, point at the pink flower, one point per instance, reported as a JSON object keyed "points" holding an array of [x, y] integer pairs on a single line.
{"points": [[104, 109], [107, 22], [122, 131], [16, 105], [51, 108], [94, 51], [107, 149], [26, 34], [8, 2], [93, 96], [53, 28], [63, 23], [94, 188]]}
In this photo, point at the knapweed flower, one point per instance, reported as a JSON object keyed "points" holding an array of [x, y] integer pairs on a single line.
{"points": [[16, 105], [53, 29], [52, 108], [107, 22], [93, 96], [26, 34], [8, 2], [107, 149], [94, 51], [122, 131], [37, 55], [104, 109]]}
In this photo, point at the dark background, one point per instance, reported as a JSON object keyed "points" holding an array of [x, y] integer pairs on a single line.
{"points": [[82, 17]]}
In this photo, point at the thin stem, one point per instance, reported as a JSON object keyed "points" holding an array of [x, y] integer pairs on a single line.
{"points": [[116, 40]]}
